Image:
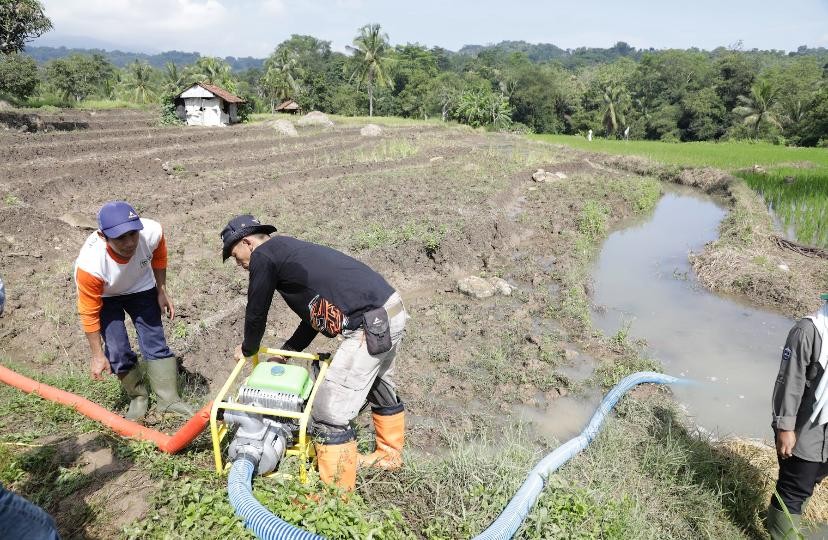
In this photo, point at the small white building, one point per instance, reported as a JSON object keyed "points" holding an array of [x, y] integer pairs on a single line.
{"points": [[205, 104]]}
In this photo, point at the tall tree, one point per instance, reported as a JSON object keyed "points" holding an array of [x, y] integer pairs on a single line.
{"points": [[18, 75], [613, 111], [211, 70], [139, 82], [78, 76], [370, 50], [21, 21], [279, 80], [173, 79], [758, 107]]}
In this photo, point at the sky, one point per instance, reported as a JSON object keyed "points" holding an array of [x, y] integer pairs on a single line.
{"points": [[254, 27]]}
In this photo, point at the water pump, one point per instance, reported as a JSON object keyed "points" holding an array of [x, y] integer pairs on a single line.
{"points": [[264, 438]]}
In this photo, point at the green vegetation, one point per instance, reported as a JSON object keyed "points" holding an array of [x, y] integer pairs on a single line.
{"points": [[667, 95], [370, 50], [792, 180], [21, 21], [799, 198], [728, 156], [377, 235], [592, 223]]}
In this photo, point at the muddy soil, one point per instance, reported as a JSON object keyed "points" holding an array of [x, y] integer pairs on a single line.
{"points": [[423, 206]]}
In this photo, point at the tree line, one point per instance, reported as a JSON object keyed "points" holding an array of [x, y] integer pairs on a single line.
{"points": [[668, 95]]}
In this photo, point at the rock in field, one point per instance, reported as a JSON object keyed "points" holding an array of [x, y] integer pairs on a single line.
{"points": [[371, 130], [315, 118], [79, 220], [547, 176], [478, 287], [501, 285]]}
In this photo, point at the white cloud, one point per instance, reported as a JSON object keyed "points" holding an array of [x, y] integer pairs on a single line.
{"points": [[274, 7], [150, 22]]}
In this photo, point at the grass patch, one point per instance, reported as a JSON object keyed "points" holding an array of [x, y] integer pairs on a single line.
{"points": [[799, 198], [723, 155], [388, 121], [12, 200], [592, 223], [608, 374], [388, 150], [429, 235], [197, 507], [105, 104]]}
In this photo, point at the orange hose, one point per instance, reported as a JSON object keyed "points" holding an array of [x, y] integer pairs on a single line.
{"points": [[166, 443]]}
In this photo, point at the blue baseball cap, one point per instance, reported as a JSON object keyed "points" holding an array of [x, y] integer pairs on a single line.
{"points": [[116, 218]]}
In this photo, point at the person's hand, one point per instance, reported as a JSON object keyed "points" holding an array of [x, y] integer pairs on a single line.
{"points": [[278, 359], [238, 354], [785, 442], [166, 305], [98, 366]]}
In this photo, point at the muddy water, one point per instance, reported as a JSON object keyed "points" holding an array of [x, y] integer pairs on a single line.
{"points": [[643, 281]]}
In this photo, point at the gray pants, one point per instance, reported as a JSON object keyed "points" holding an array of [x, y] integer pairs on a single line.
{"points": [[355, 376]]}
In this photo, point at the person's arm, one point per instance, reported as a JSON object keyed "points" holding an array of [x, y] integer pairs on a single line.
{"points": [[789, 388], [260, 289], [159, 270], [90, 291], [301, 338]]}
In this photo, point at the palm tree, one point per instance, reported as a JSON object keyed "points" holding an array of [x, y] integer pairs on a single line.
{"points": [[613, 115], [370, 50], [279, 80], [139, 82], [211, 70], [758, 106], [173, 79]]}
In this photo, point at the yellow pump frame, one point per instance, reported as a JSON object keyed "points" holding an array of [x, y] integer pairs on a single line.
{"points": [[303, 447]]}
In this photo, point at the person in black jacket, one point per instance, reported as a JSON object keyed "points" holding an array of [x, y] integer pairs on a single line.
{"points": [[332, 294]]}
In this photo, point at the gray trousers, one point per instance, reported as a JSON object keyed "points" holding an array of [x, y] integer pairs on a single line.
{"points": [[356, 376]]}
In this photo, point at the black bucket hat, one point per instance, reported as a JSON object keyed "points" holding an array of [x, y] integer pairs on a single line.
{"points": [[239, 227]]}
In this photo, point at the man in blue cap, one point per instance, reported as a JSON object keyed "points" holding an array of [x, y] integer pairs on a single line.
{"points": [[122, 270]]}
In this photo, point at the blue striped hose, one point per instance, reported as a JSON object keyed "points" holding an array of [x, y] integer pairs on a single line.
{"points": [[509, 521], [256, 517], [266, 526]]}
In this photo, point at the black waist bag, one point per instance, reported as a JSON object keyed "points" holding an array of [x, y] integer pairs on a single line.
{"points": [[377, 331]]}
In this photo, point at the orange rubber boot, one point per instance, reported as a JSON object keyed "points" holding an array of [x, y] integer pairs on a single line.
{"points": [[337, 464], [390, 430]]}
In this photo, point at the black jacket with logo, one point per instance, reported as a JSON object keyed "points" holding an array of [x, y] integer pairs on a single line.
{"points": [[302, 272]]}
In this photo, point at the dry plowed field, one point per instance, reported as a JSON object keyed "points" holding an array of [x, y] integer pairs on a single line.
{"points": [[424, 205]]}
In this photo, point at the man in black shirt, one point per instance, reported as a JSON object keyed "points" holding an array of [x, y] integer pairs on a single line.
{"points": [[334, 294]]}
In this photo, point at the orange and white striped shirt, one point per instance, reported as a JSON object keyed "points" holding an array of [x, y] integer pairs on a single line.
{"points": [[100, 272]]}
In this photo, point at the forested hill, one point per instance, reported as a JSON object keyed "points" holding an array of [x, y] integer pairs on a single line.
{"points": [[536, 52], [121, 58]]}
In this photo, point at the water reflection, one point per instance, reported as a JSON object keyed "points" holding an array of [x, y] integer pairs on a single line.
{"points": [[643, 278]]}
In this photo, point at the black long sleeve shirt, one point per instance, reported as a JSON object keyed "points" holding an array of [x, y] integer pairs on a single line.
{"points": [[300, 271]]}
